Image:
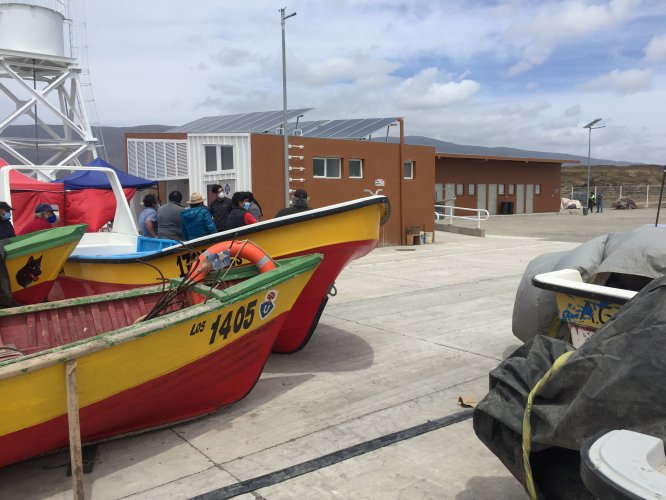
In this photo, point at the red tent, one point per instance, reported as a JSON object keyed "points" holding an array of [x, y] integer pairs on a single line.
{"points": [[94, 207]]}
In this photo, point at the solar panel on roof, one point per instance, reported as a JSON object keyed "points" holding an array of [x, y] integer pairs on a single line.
{"points": [[270, 121]]}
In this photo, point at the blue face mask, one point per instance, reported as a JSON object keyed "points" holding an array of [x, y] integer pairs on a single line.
{"points": [[6, 216], [52, 218], [246, 205]]}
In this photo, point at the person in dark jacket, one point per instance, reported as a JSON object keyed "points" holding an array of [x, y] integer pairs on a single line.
{"points": [[6, 227], [239, 216], [220, 207], [196, 221], [299, 204]]}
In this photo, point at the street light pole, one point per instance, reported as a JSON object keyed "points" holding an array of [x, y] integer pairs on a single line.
{"points": [[283, 18], [590, 126]]}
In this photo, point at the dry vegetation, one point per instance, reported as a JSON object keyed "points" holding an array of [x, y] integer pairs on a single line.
{"points": [[601, 175]]}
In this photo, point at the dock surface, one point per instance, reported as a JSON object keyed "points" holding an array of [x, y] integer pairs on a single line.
{"points": [[369, 408]]}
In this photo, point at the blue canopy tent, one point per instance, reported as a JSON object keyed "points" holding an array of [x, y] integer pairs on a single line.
{"points": [[97, 180]]}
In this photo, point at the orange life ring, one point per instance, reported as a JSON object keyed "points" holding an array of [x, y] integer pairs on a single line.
{"points": [[244, 249]]}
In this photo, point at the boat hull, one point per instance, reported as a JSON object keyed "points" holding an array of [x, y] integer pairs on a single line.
{"points": [[34, 261], [341, 236], [169, 369]]}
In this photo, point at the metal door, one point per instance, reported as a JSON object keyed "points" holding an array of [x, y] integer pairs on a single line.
{"points": [[520, 199], [481, 196], [492, 199], [439, 192], [529, 199]]}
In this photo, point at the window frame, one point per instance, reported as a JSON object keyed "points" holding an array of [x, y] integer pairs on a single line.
{"points": [[326, 160], [460, 189], [349, 168], [512, 189], [537, 189], [471, 189], [411, 166], [501, 189], [219, 158]]}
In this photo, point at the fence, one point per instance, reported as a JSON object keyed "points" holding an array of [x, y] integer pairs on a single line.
{"points": [[643, 195]]}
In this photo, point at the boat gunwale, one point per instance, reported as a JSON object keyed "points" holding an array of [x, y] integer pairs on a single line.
{"points": [[40, 241], [217, 299], [240, 233], [554, 282]]}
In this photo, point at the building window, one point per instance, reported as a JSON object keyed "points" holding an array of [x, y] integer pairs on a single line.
{"points": [[460, 189], [408, 169], [537, 189], [355, 169], [500, 189], [471, 189], [326, 167], [512, 189], [219, 158]]}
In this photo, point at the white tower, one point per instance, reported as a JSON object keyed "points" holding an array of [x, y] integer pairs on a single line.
{"points": [[43, 84]]}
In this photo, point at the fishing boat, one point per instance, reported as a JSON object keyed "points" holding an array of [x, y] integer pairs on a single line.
{"points": [[585, 307], [34, 260], [110, 261], [142, 358]]}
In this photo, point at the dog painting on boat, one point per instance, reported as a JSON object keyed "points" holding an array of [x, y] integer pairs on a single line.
{"points": [[30, 272]]}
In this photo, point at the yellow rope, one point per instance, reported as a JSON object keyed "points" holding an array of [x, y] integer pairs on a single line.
{"points": [[527, 429]]}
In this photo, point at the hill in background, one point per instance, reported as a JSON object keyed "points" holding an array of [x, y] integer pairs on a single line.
{"points": [[610, 175]]}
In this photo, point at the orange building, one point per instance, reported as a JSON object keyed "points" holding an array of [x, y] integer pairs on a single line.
{"points": [[332, 170], [498, 184]]}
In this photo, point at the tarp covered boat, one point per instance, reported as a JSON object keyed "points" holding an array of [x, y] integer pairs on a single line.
{"points": [[33, 261], [625, 260], [145, 357], [547, 398]]}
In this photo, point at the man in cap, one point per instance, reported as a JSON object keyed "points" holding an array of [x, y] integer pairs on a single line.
{"points": [[6, 227], [45, 217], [299, 204]]}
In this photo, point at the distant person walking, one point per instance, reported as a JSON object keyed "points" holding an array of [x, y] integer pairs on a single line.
{"points": [[220, 207], [148, 218], [168, 218], [299, 203], [196, 221], [600, 203]]}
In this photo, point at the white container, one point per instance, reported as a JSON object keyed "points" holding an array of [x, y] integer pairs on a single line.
{"points": [[32, 29], [428, 237]]}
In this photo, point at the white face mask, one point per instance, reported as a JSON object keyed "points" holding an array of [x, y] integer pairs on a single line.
{"points": [[220, 194]]}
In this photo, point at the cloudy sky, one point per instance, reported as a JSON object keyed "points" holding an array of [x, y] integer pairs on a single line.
{"points": [[517, 73]]}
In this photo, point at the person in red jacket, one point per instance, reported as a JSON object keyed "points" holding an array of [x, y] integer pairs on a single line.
{"points": [[45, 217]]}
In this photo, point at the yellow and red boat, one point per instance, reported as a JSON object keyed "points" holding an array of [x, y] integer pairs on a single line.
{"points": [[34, 260], [145, 357], [110, 261], [585, 307]]}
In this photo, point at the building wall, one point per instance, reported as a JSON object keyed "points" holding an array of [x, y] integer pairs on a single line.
{"points": [[494, 171], [381, 161]]}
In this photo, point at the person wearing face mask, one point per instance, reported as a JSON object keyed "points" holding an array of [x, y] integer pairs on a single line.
{"points": [[255, 208], [239, 216], [6, 227], [220, 207], [45, 218]]}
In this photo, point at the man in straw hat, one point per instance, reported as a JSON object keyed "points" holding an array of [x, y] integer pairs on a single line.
{"points": [[196, 221]]}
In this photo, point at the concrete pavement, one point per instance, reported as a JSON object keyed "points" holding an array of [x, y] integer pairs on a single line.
{"points": [[411, 330]]}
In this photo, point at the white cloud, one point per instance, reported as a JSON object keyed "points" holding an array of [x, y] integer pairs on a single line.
{"points": [[423, 90], [622, 82], [656, 49], [556, 23]]}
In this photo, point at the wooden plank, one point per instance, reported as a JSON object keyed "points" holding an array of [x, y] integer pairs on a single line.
{"points": [[75, 452]]}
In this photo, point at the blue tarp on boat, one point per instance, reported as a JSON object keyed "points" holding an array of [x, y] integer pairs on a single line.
{"points": [[98, 180]]}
